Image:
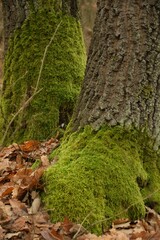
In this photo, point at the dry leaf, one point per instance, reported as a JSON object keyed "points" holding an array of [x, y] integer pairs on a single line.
{"points": [[46, 235], [2, 233], [45, 161], [6, 190], [29, 146], [19, 224], [35, 205], [56, 235], [18, 207], [67, 225], [11, 235]]}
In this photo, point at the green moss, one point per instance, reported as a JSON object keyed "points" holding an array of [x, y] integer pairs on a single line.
{"points": [[36, 164], [62, 73], [101, 176]]}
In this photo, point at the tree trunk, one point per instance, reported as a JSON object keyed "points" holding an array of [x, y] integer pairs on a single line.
{"points": [[44, 67], [14, 14], [122, 81], [107, 166], [1, 46]]}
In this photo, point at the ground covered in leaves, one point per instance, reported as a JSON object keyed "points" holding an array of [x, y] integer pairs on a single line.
{"points": [[22, 215]]}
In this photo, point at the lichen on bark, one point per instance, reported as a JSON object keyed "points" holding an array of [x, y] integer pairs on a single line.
{"points": [[60, 81]]}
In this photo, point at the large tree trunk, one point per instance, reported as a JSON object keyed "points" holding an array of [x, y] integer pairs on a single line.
{"points": [[109, 169], [122, 81], [44, 67]]}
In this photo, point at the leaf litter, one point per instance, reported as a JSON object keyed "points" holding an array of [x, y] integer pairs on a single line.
{"points": [[22, 215]]}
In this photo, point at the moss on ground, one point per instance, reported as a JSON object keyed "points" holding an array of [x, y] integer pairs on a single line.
{"points": [[60, 81], [101, 176]]}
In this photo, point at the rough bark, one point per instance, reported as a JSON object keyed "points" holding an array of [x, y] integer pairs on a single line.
{"points": [[122, 82]]}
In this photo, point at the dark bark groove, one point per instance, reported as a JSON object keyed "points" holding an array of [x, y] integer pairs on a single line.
{"points": [[122, 82]]}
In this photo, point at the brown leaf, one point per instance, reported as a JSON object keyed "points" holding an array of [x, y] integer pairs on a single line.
{"points": [[56, 235], [29, 146], [19, 160], [20, 224], [120, 221], [11, 235], [22, 176], [35, 205], [2, 233], [45, 161], [142, 235], [19, 192], [46, 235], [155, 236], [4, 164], [4, 218], [67, 225], [41, 218], [18, 207], [35, 177], [6, 191]]}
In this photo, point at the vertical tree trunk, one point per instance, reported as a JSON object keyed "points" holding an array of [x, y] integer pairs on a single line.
{"points": [[1, 46], [14, 14], [118, 169], [44, 66], [122, 82]]}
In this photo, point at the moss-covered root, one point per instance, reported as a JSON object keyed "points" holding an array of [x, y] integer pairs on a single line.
{"points": [[60, 80], [99, 177]]}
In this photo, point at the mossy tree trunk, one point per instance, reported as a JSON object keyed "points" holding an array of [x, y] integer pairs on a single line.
{"points": [[44, 67], [111, 168], [1, 46], [122, 82]]}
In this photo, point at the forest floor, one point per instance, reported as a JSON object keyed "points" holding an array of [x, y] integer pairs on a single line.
{"points": [[22, 215]]}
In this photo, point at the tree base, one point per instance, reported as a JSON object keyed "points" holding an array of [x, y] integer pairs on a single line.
{"points": [[102, 176]]}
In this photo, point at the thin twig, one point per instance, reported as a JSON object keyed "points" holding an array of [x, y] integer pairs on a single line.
{"points": [[44, 55], [81, 225], [17, 113]]}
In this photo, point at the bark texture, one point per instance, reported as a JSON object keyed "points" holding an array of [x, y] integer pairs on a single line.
{"points": [[122, 82], [14, 14]]}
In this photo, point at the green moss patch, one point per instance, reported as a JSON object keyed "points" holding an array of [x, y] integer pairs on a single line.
{"points": [[101, 176], [60, 81]]}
